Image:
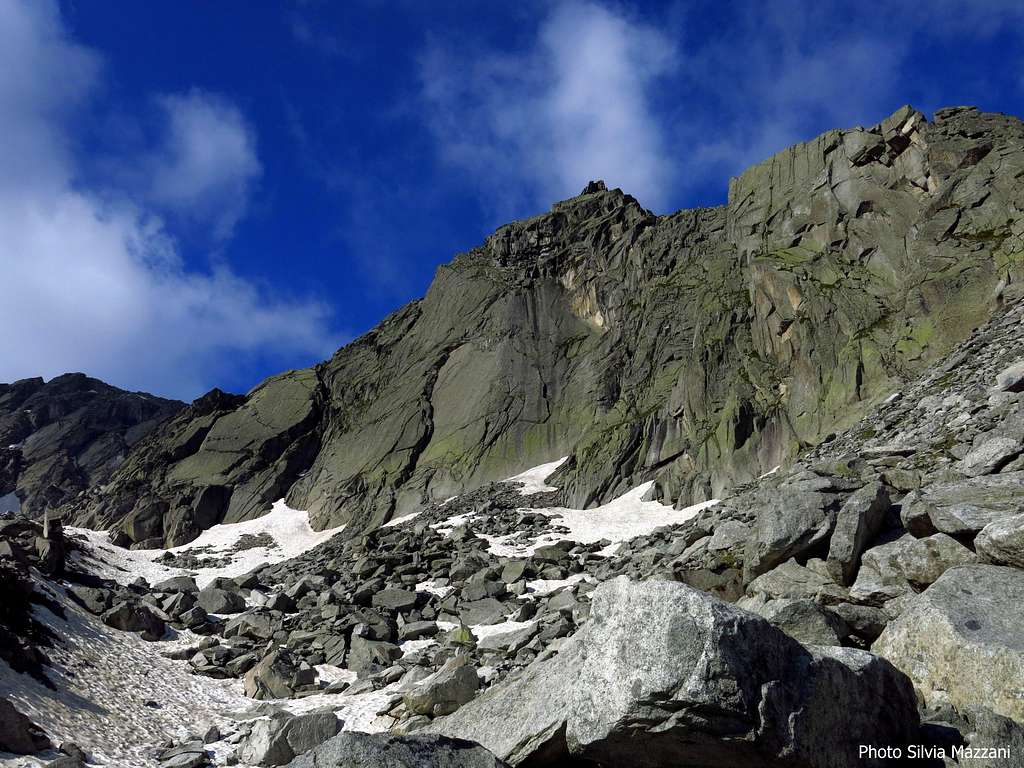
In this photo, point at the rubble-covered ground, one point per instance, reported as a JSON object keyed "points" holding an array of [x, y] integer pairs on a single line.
{"points": [[901, 539], [357, 628]]}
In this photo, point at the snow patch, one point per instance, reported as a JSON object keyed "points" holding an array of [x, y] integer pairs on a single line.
{"points": [[448, 525], [541, 587], [329, 674], [359, 712], [412, 646], [103, 680], [404, 519], [532, 480], [434, 589], [288, 531], [116, 563], [621, 519], [504, 628]]}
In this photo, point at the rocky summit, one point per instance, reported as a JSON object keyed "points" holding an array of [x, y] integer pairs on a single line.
{"points": [[61, 437], [736, 486]]}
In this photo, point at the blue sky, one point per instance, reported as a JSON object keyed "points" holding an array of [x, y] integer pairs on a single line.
{"points": [[198, 194]]}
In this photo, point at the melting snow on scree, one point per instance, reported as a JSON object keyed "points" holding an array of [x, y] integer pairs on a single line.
{"points": [[113, 674], [288, 528], [620, 520]]}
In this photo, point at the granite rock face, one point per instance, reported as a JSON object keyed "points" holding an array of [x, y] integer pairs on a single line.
{"points": [[698, 350]]}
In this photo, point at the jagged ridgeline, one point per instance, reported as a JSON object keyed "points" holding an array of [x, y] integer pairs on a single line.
{"points": [[697, 349], [63, 436]]}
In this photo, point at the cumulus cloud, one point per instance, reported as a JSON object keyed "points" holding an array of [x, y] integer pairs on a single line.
{"points": [[535, 125], [669, 107], [206, 160], [94, 282]]}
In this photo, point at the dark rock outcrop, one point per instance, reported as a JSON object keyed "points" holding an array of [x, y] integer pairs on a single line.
{"points": [[61, 437], [18, 734]]}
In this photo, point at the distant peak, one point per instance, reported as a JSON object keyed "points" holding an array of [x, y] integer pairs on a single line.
{"points": [[594, 186]]}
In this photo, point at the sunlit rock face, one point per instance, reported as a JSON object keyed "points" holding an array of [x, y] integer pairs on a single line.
{"points": [[696, 350]]}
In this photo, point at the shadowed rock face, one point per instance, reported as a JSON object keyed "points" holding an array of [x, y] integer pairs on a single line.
{"points": [[698, 349], [60, 437]]}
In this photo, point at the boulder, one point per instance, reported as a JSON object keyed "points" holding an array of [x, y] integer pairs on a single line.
{"points": [[191, 754], [454, 684], [254, 624], [960, 640], [697, 682], [130, 616], [863, 621], [729, 534], [18, 734], [178, 603], [215, 600], [792, 521], [1002, 542], [794, 581], [272, 677], [367, 656], [281, 738], [416, 630], [989, 454], [486, 611], [177, 584], [859, 521], [353, 749], [514, 570], [394, 600], [963, 507], [93, 599], [917, 562], [803, 620], [50, 554], [522, 718], [1011, 378], [985, 731]]}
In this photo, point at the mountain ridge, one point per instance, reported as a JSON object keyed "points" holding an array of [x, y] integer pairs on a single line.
{"points": [[697, 349], [62, 436]]}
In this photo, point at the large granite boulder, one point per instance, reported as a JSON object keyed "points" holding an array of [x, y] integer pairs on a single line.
{"points": [[964, 507], [379, 750], [859, 520], [696, 682], [280, 739], [909, 563], [1002, 542], [960, 640], [454, 684], [793, 520], [273, 677], [132, 616]]}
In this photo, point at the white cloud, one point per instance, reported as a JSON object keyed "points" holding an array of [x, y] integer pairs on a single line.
{"points": [[535, 126], [93, 283], [206, 162]]}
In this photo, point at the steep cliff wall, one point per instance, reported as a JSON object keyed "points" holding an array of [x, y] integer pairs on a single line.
{"points": [[697, 349]]}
